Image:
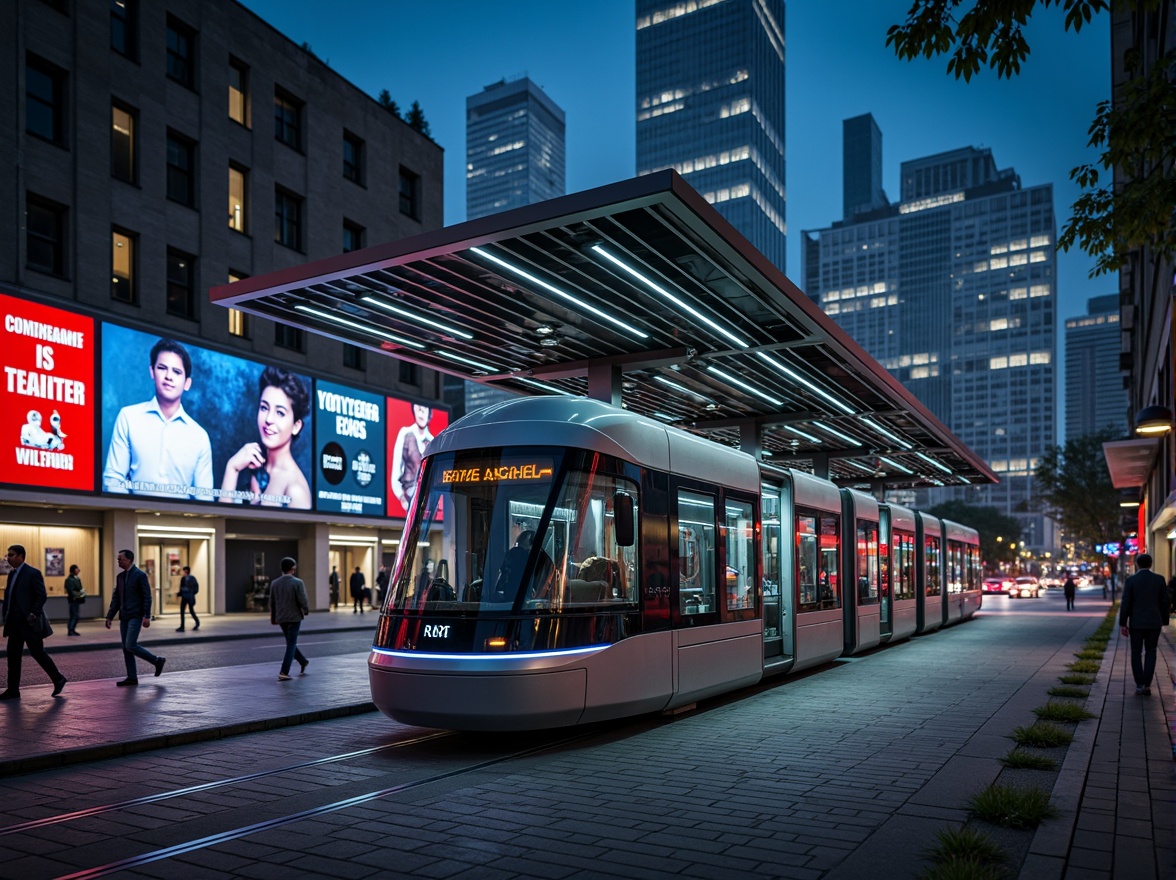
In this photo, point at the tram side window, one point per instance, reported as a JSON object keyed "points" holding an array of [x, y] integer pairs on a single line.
{"points": [[931, 565], [696, 552], [975, 577], [817, 548], [867, 563], [740, 533], [770, 505], [598, 569], [904, 566], [955, 566]]}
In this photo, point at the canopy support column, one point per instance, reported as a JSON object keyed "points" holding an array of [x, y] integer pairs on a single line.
{"points": [[604, 382]]}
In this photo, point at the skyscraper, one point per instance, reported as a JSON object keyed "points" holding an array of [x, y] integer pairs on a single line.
{"points": [[1095, 396], [514, 147], [710, 105], [953, 289]]}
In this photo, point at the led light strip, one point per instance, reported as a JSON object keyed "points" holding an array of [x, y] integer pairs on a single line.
{"points": [[574, 300], [727, 377], [684, 390], [418, 319], [837, 434], [464, 360], [327, 316], [682, 306], [792, 374], [885, 433], [801, 433], [550, 388], [895, 465], [932, 461]]}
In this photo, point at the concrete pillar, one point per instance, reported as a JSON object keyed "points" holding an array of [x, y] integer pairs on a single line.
{"points": [[314, 566]]}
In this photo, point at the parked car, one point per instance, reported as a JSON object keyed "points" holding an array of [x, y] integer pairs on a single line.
{"points": [[1025, 586], [997, 584]]}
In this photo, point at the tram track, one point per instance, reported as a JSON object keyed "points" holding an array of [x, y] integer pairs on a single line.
{"points": [[239, 832]]}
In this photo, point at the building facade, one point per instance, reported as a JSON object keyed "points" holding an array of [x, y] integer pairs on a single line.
{"points": [[515, 148], [710, 105], [1095, 398], [953, 290], [132, 125]]}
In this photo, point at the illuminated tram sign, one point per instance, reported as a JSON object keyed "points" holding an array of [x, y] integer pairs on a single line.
{"points": [[498, 473]]}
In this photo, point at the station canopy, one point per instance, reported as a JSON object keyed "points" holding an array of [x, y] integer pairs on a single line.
{"points": [[641, 294]]}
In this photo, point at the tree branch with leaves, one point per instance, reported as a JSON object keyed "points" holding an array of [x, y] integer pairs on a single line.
{"points": [[1076, 491]]}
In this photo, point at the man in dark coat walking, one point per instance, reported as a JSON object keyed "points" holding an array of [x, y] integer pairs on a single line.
{"points": [[132, 603], [1142, 615], [357, 584], [24, 599]]}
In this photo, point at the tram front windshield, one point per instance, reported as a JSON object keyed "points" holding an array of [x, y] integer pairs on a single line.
{"points": [[515, 530]]}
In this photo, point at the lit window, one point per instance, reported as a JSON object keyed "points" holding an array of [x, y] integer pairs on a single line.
{"points": [[1039, 357], [999, 324], [239, 92], [122, 144], [1037, 256], [1037, 290], [1018, 293], [1039, 241], [237, 199], [998, 363], [122, 267]]}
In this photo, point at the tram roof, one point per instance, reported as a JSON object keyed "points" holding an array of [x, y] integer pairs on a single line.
{"points": [[643, 289]]}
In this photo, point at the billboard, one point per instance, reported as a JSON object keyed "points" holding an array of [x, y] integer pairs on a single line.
{"points": [[47, 396], [349, 450], [419, 424], [186, 423]]}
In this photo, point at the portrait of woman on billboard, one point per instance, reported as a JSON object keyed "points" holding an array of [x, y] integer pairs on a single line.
{"points": [[274, 476]]}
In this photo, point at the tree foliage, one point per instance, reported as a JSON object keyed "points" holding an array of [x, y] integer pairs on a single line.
{"points": [[385, 99], [1076, 490], [1134, 132], [990, 523], [416, 120]]}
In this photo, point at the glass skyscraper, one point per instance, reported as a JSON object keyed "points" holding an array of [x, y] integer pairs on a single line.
{"points": [[1095, 396], [954, 290], [710, 105], [514, 148]]}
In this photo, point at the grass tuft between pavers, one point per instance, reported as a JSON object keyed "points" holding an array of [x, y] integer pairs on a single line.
{"points": [[1042, 735], [1089, 654], [964, 854], [1076, 678], [1020, 759], [1013, 807], [1070, 713], [1088, 666], [956, 869], [1077, 693]]}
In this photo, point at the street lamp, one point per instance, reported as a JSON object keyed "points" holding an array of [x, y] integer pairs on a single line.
{"points": [[1153, 421]]}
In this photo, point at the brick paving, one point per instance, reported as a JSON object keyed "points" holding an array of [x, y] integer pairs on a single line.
{"points": [[840, 774]]}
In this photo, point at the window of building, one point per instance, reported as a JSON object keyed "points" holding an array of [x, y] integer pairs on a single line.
{"points": [[124, 27], [287, 219], [44, 100], [181, 165], [122, 144], [238, 320], [410, 374], [353, 356], [352, 157], [352, 236], [181, 52], [410, 193], [289, 337], [239, 92], [122, 267], [45, 243], [287, 119], [181, 284], [238, 180]]}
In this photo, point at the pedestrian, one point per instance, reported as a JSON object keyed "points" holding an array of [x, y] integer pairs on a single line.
{"points": [[24, 604], [334, 587], [189, 587], [381, 584], [357, 584], [1069, 588], [288, 606], [1142, 615], [75, 594], [132, 602]]}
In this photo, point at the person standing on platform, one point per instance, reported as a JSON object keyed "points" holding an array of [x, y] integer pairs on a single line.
{"points": [[288, 605], [24, 600], [357, 587], [189, 587], [1142, 615], [76, 594], [132, 603], [1070, 589], [334, 586]]}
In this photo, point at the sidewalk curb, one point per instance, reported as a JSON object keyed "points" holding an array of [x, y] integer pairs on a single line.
{"points": [[222, 731]]}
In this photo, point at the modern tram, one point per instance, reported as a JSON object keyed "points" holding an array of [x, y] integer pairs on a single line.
{"points": [[567, 562]]}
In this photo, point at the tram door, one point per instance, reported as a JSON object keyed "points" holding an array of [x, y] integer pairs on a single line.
{"points": [[776, 592], [885, 568]]}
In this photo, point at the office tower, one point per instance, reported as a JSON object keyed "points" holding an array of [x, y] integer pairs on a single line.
{"points": [[157, 150], [514, 148], [1095, 396], [953, 289], [861, 166], [710, 105]]}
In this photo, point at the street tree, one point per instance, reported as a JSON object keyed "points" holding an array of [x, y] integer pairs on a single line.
{"points": [[990, 523], [1075, 488], [416, 120], [1133, 132]]}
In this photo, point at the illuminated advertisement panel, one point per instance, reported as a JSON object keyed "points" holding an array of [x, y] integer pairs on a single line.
{"points": [[47, 397], [349, 450], [412, 427], [183, 422]]}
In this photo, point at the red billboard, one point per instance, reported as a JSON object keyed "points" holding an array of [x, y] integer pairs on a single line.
{"points": [[47, 396], [411, 427]]}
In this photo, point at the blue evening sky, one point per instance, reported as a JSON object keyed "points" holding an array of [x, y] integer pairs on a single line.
{"points": [[838, 66]]}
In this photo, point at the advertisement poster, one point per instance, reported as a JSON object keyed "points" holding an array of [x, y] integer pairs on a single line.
{"points": [[411, 427], [54, 562], [47, 396], [349, 447], [183, 422]]}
